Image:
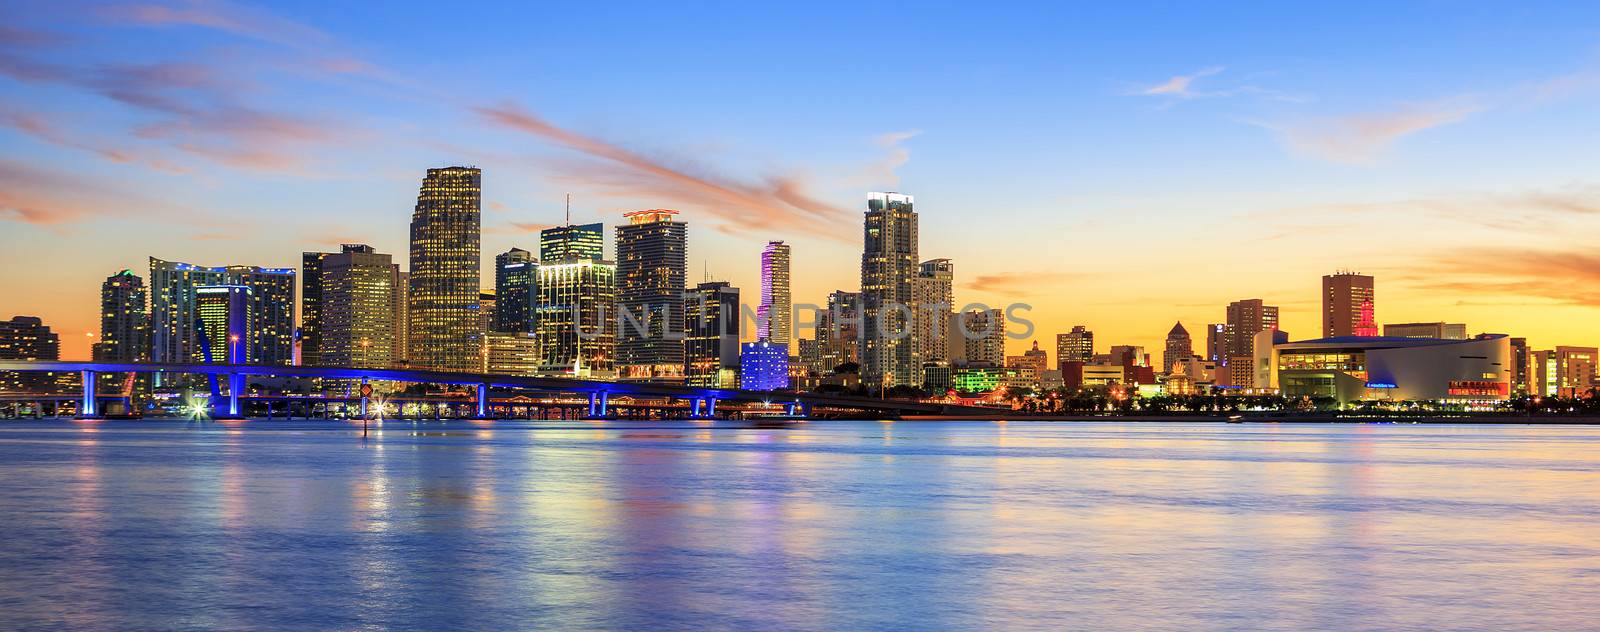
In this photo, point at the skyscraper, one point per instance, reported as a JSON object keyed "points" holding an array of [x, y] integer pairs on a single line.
{"points": [[985, 334], [711, 354], [775, 314], [576, 307], [933, 296], [1217, 343], [582, 241], [1247, 318], [443, 306], [225, 315], [352, 317], [124, 320], [1179, 346], [889, 266], [1075, 346], [652, 266], [516, 275], [1344, 296], [173, 336], [839, 329]]}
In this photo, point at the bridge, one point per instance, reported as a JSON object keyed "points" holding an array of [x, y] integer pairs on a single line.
{"points": [[702, 401]]}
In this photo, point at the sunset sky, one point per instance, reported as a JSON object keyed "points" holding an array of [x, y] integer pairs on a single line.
{"points": [[1116, 166]]}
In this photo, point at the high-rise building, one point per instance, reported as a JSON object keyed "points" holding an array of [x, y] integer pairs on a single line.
{"points": [[1345, 295], [173, 334], [1576, 369], [576, 307], [763, 366], [839, 330], [224, 314], [353, 311], [487, 300], [124, 320], [652, 267], [985, 335], [1519, 366], [445, 324], [775, 314], [1217, 343], [711, 353], [580, 241], [1441, 330], [889, 267], [1179, 346], [27, 338], [1075, 346], [1247, 318], [516, 273], [933, 296]]}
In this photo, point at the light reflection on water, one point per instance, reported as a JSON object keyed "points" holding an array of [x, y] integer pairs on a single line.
{"points": [[161, 525]]}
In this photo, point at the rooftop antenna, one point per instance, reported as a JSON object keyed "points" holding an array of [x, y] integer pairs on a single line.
{"points": [[569, 209]]}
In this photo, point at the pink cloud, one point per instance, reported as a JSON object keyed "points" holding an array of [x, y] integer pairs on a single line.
{"points": [[778, 202]]}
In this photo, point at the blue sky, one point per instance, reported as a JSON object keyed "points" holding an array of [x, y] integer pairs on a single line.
{"points": [[1120, 166]]}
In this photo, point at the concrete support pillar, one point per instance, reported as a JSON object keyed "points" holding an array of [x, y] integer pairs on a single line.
{"points": [[88, 408], [594, 401], [235, 387], [711, 407], [694, 408], [605, 398], [790, 407], [483, 401]]}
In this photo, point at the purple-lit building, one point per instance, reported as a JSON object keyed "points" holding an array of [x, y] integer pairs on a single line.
{"points": [[763, 366]]}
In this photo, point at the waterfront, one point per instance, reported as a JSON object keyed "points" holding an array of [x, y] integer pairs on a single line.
{"points": [[832, 525]]}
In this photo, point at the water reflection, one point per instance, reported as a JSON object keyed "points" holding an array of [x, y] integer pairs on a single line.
{"points": [[822, 526]]}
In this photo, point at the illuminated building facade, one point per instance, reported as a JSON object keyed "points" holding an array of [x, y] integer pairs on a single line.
{"points": [[173, 336], [711, 349], [352, 309], [124, 320], [1436, 331], [514, 353], [1075, 346], [580, 241], [975, 379], [1520, 361], [652, 266], [27, 338], [889, 267], [445, 326], [516, 278], [775, 314], [764, 366], [1356, 368], [576, 318], [1344, 297], [225, 314], [1179, 346]]}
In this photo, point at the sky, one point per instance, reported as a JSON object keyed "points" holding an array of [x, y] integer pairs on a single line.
{"points": [[1120, 166]]}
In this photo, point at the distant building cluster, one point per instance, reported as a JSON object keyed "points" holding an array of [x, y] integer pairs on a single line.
{"points": [[564, 309]]}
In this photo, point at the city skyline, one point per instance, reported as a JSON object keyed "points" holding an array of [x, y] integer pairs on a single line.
{"points": [[1142, 161]]}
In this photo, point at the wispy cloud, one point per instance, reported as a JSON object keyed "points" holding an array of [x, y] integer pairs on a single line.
{"points": [[1360, 138], [1564, 277], [35, 195], [777, 202], [1179, 85], [51, 131], [223, 16], [1019, 283]]}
